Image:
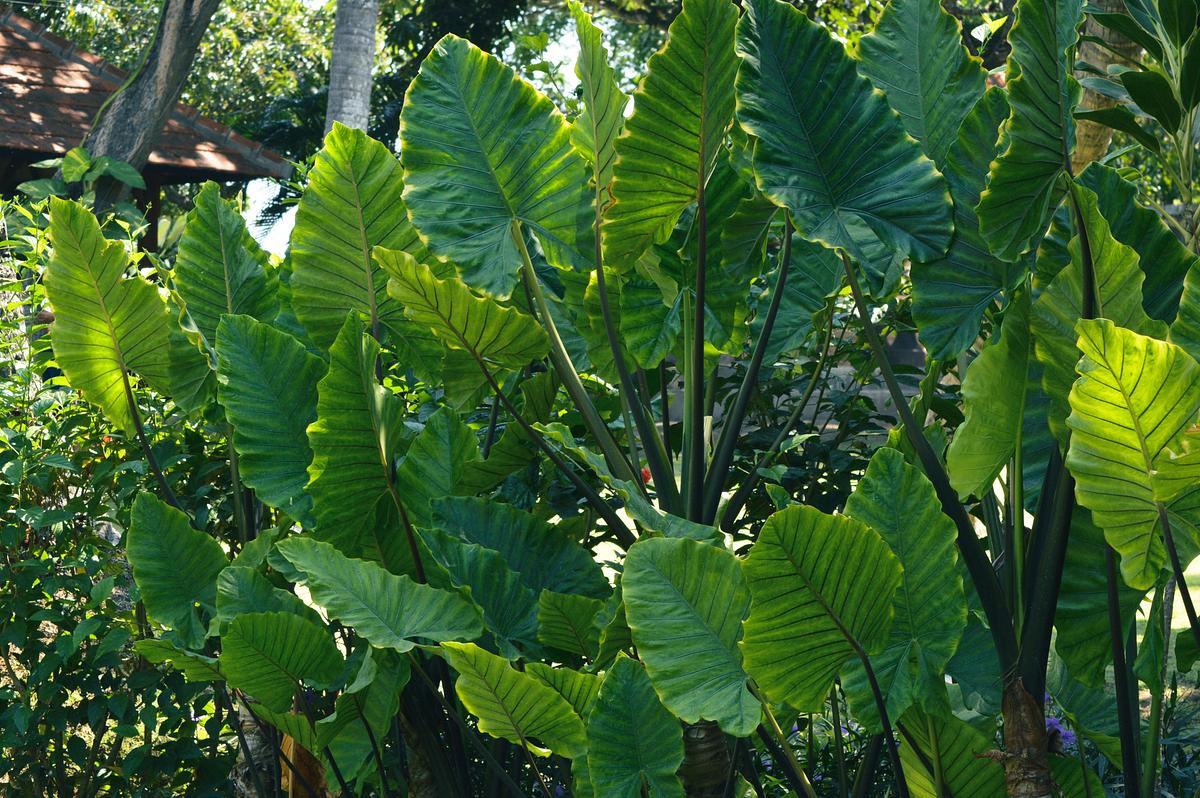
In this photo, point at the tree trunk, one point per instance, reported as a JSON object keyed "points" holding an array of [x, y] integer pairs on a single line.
{"points": [[1026, 758], [353, 58], [130, 123], [1091, 138], [705, 766]]}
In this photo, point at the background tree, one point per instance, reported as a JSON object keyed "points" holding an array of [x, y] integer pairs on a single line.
{"points": [[351, 62]]}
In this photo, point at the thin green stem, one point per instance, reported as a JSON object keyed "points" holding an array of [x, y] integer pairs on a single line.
{"points": [[838, 744], [1154, 738], [987, 586], [789, 756], [566, 369], [939, 778], [235, 478]]}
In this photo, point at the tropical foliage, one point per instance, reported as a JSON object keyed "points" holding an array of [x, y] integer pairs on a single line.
{"points": [[502, 481]]}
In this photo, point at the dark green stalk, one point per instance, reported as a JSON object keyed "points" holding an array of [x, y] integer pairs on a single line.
{"points": [[665, 400], [151, 460], [693, 387], [1121, 676], [657, 458], [991, 596], [864, 779], [1051, 530], [742, 494], [1189, 608], [732, 426], [1154, 738], [468, 732], [838, 746]]}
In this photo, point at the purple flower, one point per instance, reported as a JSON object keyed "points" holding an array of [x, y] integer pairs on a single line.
{"points": [[1055, 726]]}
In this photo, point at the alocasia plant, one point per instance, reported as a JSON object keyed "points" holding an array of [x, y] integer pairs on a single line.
{"points": [[416, 469]]}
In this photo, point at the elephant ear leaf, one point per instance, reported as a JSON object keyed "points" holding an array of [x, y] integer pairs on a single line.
{"points": [[670, 143], [221, 268], [353, 203], [1119, 292], [107, 327], [355, 441], [898, 501], [993, 410], [388, 610], [829, 149], [633, 741], [594, 132], [513, 705], [175, 567], [915, 55], [1023, 191], [267, 383], [1133, 408], [951, 293], [1185, 330], [479, 326], [272, 655], [958, 748], [483, 149], [684, 601], [821, 585]]}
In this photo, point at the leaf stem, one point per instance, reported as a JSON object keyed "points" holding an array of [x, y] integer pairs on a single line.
{"points": [[789, 756], [657, 458], [693, 386], [151, 460], [468, 732], [566, 369], [727, 441], [983, 575], [1121, 678]]}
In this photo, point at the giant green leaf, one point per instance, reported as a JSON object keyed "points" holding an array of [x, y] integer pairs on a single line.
{"points": [[680, 113], [514, 449], [915, 55], [437, 464], [1119, 298], [819, 585], [372, 699], [107, 327], [194, 667], [1023, 192], [543, 555], [1135, 401], [567, 622], [1185, 330], [352, 203], [242, 589], [483, 149], [220, 268], [271, 655], [355, 441], [634, 743], [1163, 257], [959, 750], [952, 292], [993, 393], [480, 326], [509, 608], [388, 610], [267, 383], [175, 567], [685, 601], [829, 148], [898, 501], [514, 705], [594, 132]]}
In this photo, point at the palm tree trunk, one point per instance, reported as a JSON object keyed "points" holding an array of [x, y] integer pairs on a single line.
{"points": [[352, 60], [1091, 138], [1026, 758]]}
